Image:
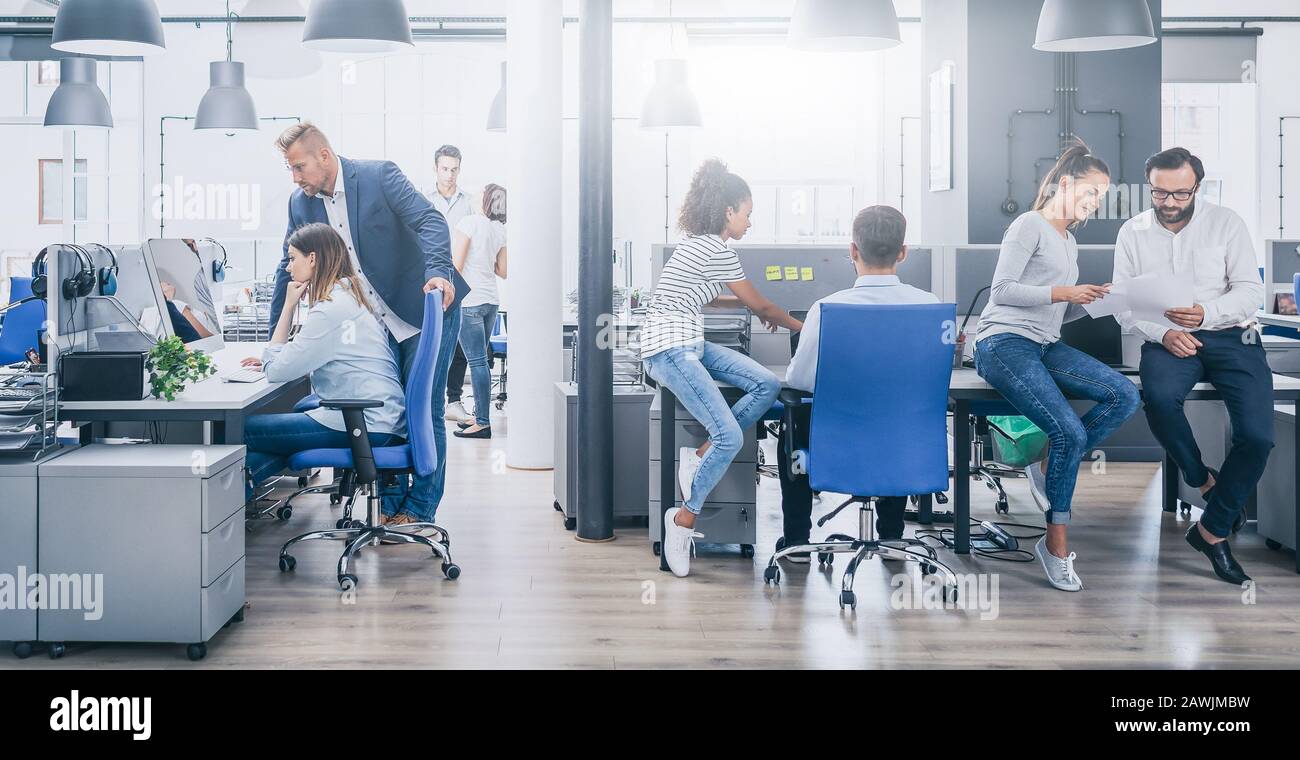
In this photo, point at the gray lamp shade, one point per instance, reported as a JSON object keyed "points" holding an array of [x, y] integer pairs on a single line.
{"points": [[108, 28], [226, 105], [844, 25], [670, 102], [1070, 26], [496, 121], [78, 101], [348, 26]]}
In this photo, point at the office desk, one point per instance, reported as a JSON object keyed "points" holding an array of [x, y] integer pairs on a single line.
{"points": [[966, 387], [1280, 320], [224, 405]]}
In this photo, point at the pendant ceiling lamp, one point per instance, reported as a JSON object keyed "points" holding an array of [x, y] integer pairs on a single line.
{"points": [[844, 25], [1070, 26], [227, 105], [108, 28], [350, 26], [78, 101]]}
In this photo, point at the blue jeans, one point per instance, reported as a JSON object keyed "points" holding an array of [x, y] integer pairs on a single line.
{"points": [[690, 373], [421, 497], [475, 328], [1235, 362], [273, 438], [1032, 377]]}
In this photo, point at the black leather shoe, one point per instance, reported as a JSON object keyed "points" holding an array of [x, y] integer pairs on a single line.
{"points": [[483, 433], [1220, 554]]}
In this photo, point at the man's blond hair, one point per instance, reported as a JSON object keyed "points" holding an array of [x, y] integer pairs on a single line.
{"points": [[305, 132]]}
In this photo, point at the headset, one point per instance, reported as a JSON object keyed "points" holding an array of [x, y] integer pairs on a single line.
{"points": [[219, 267], [78, 285], [106, 278]]}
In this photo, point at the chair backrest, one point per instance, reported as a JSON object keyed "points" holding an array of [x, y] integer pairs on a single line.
{"points": [[419, 389], [879, 421], [21, 328]]}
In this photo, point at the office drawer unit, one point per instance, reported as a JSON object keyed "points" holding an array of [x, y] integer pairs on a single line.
{"points": [[729, 515], [162, 526], [18, 547], [631, 416], [1276, 505]]}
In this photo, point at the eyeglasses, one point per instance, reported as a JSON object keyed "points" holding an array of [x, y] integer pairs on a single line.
{"points": [[1182, 196]]}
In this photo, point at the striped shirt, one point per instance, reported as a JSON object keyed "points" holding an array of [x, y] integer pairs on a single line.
{"points": [[693, 277]]}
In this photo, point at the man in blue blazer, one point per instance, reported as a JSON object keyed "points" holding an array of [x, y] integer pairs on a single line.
{"points": [[397, 240]]}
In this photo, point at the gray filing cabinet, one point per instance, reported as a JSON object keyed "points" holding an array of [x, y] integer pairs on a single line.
{"points": [[18, 517], [631, 457], [164, 525], [729, 515], [1277, 514]]}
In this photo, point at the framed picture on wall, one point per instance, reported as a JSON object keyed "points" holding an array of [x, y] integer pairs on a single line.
{"points": [[48, 73], [942, 87]]}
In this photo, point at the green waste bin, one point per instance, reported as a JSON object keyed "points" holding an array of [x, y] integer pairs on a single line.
{"points": [[1017, 442]]}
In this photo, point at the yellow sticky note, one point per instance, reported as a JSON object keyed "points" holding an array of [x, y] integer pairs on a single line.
{"points": [[774, 274], [792, 274], [808, 274]]}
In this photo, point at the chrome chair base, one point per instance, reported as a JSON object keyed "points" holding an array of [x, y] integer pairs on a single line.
{"points": [[864, 548]]}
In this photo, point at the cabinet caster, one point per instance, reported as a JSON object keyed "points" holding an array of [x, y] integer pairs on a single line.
{"points": [[848, 600], [23, 650], [196, 652], [451, 570], [1273, 545], [656, 547], [772, 575], [747, 551], [57, 651], [558, 508], [347, 582], [284, 513], [287, 564], [1002, 507], [570, 523], [825, 559], [239, 616]]}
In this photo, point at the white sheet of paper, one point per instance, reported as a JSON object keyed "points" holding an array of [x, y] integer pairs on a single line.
{"points": [[1148, 298]]}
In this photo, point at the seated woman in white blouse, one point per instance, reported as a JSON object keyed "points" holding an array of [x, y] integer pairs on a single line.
{"points": [[341, 347]]}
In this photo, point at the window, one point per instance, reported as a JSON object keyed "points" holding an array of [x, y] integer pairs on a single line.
{"points": [[52, 207]]}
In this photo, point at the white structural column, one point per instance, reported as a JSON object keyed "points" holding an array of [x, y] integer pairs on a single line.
{"points": [[535, 139]]}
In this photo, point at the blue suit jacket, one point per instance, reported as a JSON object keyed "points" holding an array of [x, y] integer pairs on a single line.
{"points": [[400, 238]]}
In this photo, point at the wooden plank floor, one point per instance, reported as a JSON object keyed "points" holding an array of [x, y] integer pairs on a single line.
{"points": [[533, 597]]}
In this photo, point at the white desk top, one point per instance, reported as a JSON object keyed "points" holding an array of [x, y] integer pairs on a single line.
{"points": [[1280, 320], [969, 380], [211, 394]]}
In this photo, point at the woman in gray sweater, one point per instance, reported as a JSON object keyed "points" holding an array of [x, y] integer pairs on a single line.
{"points": [[1019, 351]]}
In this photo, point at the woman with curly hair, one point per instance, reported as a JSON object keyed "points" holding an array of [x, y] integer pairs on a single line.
{"points": [[675, 354]]}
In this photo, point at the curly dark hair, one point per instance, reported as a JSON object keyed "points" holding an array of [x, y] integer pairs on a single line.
{"points": [[713, 191]]}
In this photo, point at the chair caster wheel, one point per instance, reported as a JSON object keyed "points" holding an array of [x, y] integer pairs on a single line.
{"points": [[928, 569], [848, 599], [284, 513], [950, 594], [57, 651], [341, 524], [1002, 508], [196, 652], [23, 650], [656, 547], [1273, 545], [347, 582], [747, 551], [558, 508], [335, 500], [451, 570], [772, 575], [287, 564], [941, 498], [570, 523], [825, 558], [1185, 508], [303, 481]]}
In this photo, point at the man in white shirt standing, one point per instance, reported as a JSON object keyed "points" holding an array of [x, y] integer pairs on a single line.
{"points": [[876, 252], [455, 205], [1214, 342]]}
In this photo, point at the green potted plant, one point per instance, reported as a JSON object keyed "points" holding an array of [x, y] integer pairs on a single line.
{"points": [[172, 367]]}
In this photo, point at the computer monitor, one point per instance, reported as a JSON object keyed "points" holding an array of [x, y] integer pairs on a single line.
{"points": [[1102, 339], [129, 320], [185, 285]]}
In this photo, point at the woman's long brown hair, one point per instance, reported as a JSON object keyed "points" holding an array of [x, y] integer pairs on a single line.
{"points": [[332, 263]]}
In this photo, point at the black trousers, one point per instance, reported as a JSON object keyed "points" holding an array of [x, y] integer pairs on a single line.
{"points": [[797, 496], [456, 376], [1235, 363]]}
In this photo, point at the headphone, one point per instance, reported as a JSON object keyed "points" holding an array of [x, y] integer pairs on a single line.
{"points": [[106, 278], [219, 267], [78, 285]]}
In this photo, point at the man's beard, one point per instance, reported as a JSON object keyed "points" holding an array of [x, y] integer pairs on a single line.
{"points": [[1179, 216]]}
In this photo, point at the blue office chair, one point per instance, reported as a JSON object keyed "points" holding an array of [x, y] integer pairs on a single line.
{"points": [[370, 465], [497, 345], [21, 327], [879, 427]]}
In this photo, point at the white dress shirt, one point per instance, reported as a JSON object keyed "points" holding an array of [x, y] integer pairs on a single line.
{"points": [[453, 209], [870, 289], [1215, 248], [336, 209]]}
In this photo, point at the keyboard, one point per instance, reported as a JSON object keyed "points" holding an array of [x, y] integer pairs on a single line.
{"points": [[244, 376], [20, 394]]}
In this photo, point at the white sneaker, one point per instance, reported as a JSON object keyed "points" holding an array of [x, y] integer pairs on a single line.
{"points": [[1038, 486], [1060, 572], [456, 412], [686, 469], [678, 544]]}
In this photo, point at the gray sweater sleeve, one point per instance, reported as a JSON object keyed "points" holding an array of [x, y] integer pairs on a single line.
{"points": [[1008, 289]]}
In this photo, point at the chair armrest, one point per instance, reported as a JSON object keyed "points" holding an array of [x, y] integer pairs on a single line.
{"points": [[350, 404], [794, 397]]}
